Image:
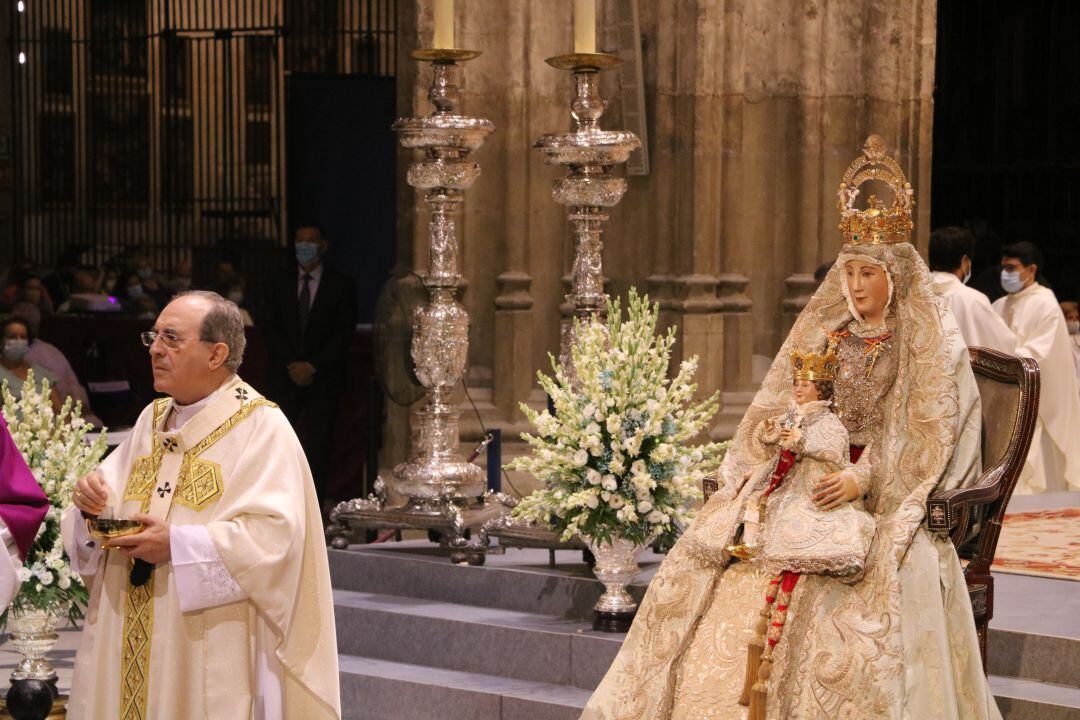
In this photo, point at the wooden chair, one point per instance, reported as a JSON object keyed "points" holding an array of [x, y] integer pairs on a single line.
{"points": [[972, 516]]}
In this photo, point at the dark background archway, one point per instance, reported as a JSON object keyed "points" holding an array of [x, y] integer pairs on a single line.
{"points": [[1007, 132]]}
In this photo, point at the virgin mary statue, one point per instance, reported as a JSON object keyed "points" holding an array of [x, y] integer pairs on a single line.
{"points": [[896, 640]]}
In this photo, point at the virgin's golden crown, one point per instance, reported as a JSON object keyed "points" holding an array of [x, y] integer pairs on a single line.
{"points": [[814, 366], [877, 224]]}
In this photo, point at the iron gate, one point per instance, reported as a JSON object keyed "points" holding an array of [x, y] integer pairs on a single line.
{"points": [[160, 124]]}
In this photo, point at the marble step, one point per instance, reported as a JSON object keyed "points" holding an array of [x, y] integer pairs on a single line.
{"points": [[376, 689], [473, 639], [1031, 700], [518, 580], [1035, 632]]}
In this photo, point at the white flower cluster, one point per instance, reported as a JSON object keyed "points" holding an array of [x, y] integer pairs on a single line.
{"points": [[56, 450], [616, 458]]}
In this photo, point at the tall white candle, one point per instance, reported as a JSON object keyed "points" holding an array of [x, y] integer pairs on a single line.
{"points": [[584, 26], [444, 24]]}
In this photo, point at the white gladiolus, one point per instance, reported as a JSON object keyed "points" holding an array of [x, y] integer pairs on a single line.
{"points": [[54, 446], [598, 482]]}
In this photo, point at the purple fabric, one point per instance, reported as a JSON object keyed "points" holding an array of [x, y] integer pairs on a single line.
{"points": [[22, 501]]}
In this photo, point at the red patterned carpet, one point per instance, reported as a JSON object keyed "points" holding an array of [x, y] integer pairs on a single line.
{"points": [[1045, 543]]}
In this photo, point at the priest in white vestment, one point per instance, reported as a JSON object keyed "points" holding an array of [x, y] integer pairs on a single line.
{"points": [[1071, 310], [221, 607], [1031, 310], [950, 260]]}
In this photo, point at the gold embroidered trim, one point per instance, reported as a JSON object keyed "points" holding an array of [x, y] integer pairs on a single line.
{"points": [[200, 481], [200, 484], [135, 654], [145, 470]]}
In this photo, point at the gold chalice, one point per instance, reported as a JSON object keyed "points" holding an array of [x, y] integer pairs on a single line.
{"points": [[105, 529]]}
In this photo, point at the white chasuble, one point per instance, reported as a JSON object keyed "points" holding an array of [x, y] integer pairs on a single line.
{"points": [[240, 623], [1036, 318], [979, 325]]}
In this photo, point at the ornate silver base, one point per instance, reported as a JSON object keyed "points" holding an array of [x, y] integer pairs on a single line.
{"points": [[516, 535], [616, 567], [458, 524], [431, 480]]}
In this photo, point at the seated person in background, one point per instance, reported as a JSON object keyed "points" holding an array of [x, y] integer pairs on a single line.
{"points": [[49, 357], [133, 296], [181, 277], [14, 368], [236, 294], [28, 288]]}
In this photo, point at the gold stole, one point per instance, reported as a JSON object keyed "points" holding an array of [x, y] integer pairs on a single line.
{"points": [[173, 473]]}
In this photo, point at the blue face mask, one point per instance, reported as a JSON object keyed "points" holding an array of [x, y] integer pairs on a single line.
{"points": [[306, 252], [145, 273], [1011, 282]]}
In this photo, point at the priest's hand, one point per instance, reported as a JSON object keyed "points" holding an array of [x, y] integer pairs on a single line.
{"points": [[91, 493], [835, 489], [151, 545]]}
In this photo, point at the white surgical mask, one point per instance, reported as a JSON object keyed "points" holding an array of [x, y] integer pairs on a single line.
{"points": [[1074, 326], [135, 291], [1011, 282], [15, 349], [967, 275]]}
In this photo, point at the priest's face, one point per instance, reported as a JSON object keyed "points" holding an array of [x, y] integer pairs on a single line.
{"points": [[868, 286], [182, 363]]}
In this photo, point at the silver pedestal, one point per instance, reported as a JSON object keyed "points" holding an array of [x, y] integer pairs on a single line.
{"points": [[591, 155], [444, 493]]}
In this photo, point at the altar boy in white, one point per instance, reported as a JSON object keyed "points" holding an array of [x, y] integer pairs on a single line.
{"points": [[221, 607]]}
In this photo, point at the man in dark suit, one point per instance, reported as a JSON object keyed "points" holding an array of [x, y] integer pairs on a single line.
{"points": [[309, 323]]}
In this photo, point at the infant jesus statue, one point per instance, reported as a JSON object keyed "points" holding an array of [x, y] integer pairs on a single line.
{"points": [[782, 527]]}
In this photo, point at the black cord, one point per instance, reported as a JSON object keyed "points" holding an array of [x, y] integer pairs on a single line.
{"points": [[484, 430]]}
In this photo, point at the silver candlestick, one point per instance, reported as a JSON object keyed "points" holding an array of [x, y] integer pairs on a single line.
{"points": [[436, 471], [591, 155], [444, 493]]}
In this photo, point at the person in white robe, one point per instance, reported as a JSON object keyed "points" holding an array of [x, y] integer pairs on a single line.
{"points": [[1071, 310], [221, 606], [950, 264], [1031, 310]]}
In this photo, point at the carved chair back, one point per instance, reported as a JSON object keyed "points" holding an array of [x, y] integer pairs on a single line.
{"points": [[972, 516]]}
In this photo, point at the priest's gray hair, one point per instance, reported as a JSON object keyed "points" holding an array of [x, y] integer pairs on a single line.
{"points": [[221, 324]]}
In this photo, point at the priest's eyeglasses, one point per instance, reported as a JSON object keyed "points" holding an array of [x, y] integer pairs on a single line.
{"points": [[171, 341]]}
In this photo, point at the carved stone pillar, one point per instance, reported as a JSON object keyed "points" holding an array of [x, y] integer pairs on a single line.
{"points": [[514, 341]]}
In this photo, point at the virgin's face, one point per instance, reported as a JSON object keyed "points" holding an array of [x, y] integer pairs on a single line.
{"points": [[868, 286]]}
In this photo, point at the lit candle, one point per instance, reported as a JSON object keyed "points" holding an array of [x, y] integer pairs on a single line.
{"points": [[585, 26], [444, 24]]}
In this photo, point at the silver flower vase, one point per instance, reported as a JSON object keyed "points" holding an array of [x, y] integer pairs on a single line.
{"points": [[33, 681], [616, 567]]}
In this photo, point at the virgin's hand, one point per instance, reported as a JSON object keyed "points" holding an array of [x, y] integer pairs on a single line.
{"points": [[835, 489], [787, 435], [91, 494]]}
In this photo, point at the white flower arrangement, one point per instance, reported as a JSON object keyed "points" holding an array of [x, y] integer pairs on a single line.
{"points": [[616, 458], [56, 450]]}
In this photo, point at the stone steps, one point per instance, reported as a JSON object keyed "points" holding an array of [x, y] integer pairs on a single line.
{"points": [[373, 689], [447, 635], [1020, 699], [512, 639]]}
